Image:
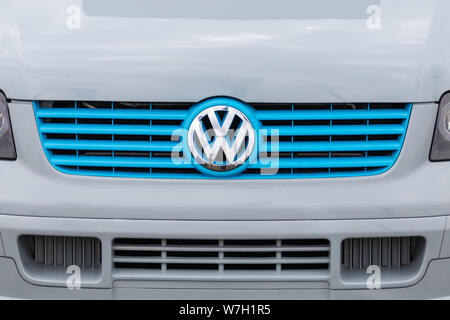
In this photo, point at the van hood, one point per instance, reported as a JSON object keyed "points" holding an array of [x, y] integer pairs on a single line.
{"points": [[254, 50]]}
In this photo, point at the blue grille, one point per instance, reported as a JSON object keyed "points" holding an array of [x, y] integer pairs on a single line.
{"points": [[120, 139]]}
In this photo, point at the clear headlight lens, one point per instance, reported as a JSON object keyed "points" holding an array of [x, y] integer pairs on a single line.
{"points": [[440, 149], [7, 149]]}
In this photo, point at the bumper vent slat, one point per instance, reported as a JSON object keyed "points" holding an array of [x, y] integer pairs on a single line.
{"points": [[395, 252], [118, 139], [221, 256]]}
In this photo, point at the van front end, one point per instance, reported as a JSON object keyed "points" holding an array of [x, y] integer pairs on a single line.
{"points": [[209, 151]]}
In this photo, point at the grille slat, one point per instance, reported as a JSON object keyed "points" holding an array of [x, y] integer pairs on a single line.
{"points": [[118, 139], [116, 145], [221, 248], [222, 256], [331, 115], [336, 130], [124, 145], [223, 261], [338, 146], [335, 162], [138, 114], [98, 161], [109, 129]]}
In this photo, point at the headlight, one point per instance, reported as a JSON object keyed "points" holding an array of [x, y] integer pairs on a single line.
{"points": [[440, 149], [7, 149]]}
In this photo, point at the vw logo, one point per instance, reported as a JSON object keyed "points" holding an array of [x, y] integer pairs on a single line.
{"points": [[221, 138]]}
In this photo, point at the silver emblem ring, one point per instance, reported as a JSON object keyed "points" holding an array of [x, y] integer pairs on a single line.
{"points": [[221, 147]]}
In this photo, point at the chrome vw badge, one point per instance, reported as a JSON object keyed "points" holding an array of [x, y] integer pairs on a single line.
{"points": [[221, 138]]}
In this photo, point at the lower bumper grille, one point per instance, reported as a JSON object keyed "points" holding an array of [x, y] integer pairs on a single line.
{"points": [[277, 257], [54, 251], [394, 252], [228, 261]]}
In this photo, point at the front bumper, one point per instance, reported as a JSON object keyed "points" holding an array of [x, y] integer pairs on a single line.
{"points": [[411, 199], [427, 282]]}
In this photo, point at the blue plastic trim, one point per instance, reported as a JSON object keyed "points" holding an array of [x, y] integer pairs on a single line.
{"points": [[112, 114], [330, 115], [380, 164]]}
